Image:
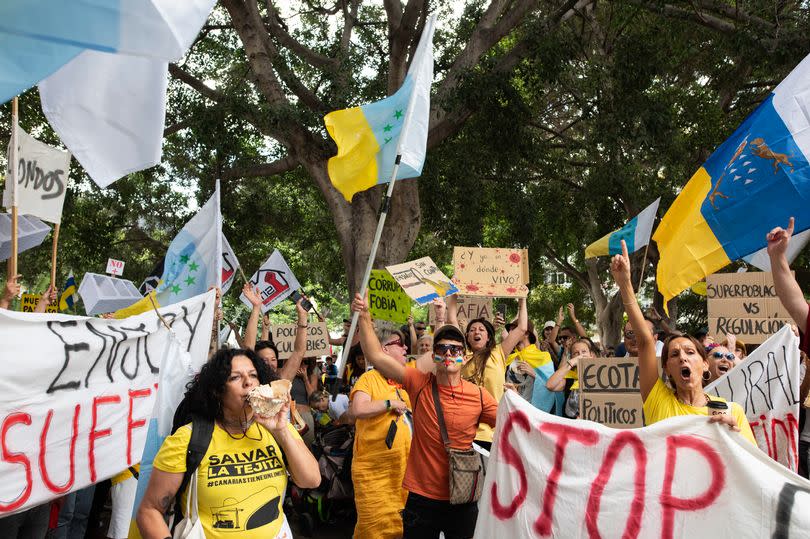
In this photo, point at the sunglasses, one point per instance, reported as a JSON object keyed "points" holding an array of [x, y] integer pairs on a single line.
{"points": [[720, 355], [395, 342], [455, 349]]}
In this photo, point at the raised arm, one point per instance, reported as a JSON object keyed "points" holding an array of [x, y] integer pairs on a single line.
{"points": [[372, 349], [11, 291], [552, 337], [788, 290], [513, 337], [46, 299], [266, 327], [556, 381], [235, 329], [412, 334], [452, 311], [573, 315], [253, 320], [440, 312], [292, 364], [647, 361]]}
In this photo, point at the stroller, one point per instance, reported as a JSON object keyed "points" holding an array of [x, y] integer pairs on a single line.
{"points": [[333, 501]]}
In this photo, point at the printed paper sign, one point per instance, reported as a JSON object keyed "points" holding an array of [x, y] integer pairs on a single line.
{"points": [[766, 385], [744, 304], [229, 265], [491, 272], [386, 299], [317, 339], [42, 173], [275, 282], [610, 391], [683, 477], [422, 280], [28, 303], [76, 411], [469, 308], [115, 267]]}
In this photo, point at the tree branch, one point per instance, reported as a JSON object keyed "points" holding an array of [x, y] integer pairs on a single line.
{"points": [[279, 31], [280, 166]]}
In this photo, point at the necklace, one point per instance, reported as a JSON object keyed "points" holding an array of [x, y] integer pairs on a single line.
{"points": [[705, 396]]}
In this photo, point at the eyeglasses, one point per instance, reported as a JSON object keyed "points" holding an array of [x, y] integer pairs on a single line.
{"points": [[629, 334], [442, 349], [720, 355], [395, 342]]}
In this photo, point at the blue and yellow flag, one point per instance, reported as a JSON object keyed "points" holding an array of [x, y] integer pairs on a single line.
{"points": [[636, 234], [68, 295], [370, 137], [755, 180]]}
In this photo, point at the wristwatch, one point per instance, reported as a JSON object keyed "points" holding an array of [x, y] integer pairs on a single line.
{"points": [[388, 405]]}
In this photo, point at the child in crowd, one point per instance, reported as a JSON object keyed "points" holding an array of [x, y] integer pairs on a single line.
{"points": [[319, 405]]}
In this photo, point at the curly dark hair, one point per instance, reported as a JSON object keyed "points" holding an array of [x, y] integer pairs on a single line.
{"points": [[204, 393], [261, 345]]}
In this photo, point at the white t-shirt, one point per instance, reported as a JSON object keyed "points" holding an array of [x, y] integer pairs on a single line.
{"points": [[338, 406]]}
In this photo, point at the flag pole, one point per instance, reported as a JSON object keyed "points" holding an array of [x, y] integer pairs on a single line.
{"points": [[218, 278], [643, 266], [53, 254], [386, 205], [12, 169]]}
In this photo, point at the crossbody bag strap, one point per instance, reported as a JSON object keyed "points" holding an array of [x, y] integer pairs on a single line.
{"points": [[437, 403]]}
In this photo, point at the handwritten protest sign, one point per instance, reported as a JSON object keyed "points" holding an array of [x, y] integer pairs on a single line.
{"points": [[28, 302], [386, 299], [468, 308], [683, 477], [744, 304], [422, 280], [766, 385], [115, 267], [275, 281], [42, 179], [77, 414], [610, 391], [491, 272], [317, 339]]}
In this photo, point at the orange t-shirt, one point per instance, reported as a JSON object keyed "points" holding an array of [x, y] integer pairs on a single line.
{"points": [[427, 473]]}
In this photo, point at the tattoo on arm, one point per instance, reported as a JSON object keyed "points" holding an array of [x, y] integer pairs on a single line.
{"points": [[166, 503]]}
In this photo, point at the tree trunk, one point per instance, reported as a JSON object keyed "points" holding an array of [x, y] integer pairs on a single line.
{"points": [[608, 311], [356, 223]]}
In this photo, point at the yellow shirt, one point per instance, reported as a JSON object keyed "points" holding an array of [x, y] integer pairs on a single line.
{"points": [[494, 376], [370, 432], [240, 483], [662, 403], [126, 474]]}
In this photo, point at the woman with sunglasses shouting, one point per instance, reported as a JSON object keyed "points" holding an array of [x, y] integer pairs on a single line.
{"points": [[381, 445], [684, 362], [461, 407], [721, 360]]}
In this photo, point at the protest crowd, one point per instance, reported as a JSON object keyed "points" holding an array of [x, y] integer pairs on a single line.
{"points": [[152, 416]]}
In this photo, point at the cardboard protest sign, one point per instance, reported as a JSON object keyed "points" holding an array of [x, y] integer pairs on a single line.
{"points": [[422, 280], [683, 477], [115, 267], [275, 281], [42, 178], [77, 393], [491, 272], [386, 299], [317, 339], [28, 302], [610, 391], [766, 385], [744, 304], [469, 308]]}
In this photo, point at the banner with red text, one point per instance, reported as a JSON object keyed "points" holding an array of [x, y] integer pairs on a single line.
{"points": [[766, 385], [77, 393], [683, 477]]}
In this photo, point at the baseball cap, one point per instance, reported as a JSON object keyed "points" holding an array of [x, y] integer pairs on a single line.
{"points": [[549, 324]]}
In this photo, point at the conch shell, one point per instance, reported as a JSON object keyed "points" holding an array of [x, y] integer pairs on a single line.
{"points": [[270, 399]]}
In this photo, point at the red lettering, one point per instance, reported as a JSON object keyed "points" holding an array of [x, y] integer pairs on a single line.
{"points": [[16, 458], [43, 469], [564, 433], [775, 422], [793, 428], [633, 525], [670, 503], [94, 434], [771, 451], [511, 457], [132, 425]]}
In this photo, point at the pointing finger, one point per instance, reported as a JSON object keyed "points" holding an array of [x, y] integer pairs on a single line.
{"points": [[790, 226], [624, 250]]}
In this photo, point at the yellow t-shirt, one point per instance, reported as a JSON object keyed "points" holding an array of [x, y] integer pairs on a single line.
{"points": [[370, 432], [662, 403], [126, 474], [240, 483], [494, 376]]}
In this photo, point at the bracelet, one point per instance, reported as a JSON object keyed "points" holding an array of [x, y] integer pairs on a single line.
{"points": [[303, 327], [388, 405], [569, 364]]}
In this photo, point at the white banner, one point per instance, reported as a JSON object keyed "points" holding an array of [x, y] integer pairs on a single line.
{"points": [[275, 281], [42, 173], [682, 477], [77, 393], [766, 385]]}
